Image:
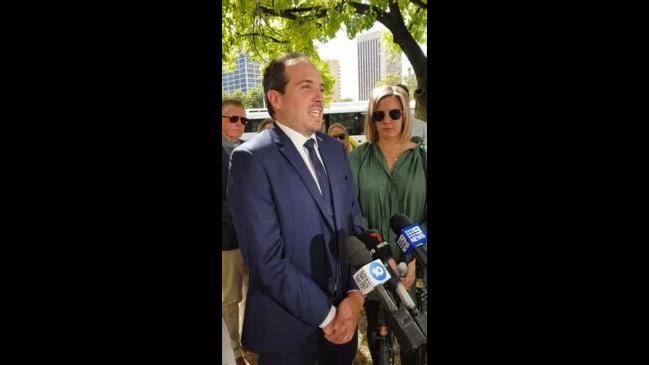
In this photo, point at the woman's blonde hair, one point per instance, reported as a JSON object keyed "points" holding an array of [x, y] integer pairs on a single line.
{"points": [[346, 142], [264, 123], [379, 93]]}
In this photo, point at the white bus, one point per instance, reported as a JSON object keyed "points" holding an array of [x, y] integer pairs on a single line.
{"points": [[350, 114]]}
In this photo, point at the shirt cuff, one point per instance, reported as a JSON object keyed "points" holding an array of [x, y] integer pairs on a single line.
{"points": [[329, 318]]}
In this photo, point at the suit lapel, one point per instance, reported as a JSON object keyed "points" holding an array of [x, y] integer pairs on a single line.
{"points": [[287, 148]]}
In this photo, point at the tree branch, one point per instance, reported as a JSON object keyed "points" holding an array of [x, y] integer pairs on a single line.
{"points": [[420, 4], [262, 35], [301, 10], [414, 20], [366, 9], [283, 14], [395, 11], [290, 13], [272, 29]]}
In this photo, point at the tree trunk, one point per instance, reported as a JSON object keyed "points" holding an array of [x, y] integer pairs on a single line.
{"points": [[394, 22]]}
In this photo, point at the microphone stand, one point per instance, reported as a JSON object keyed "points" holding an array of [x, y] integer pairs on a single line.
{"points": [[421, 299], [384, 344]]}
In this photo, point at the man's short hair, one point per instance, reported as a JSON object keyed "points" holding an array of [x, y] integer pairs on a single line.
{"points": [[228, 102], [275, 79]]}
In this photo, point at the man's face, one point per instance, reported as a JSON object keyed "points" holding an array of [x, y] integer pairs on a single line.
{"points": [[301, 106], [229, 130]]}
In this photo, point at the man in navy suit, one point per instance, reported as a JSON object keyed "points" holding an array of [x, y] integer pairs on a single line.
{"points": [[293, 204]]}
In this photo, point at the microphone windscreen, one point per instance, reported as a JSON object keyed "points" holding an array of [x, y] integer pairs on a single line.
{"points": [[402, 268], [399, 221], [357, 254], [378, 250]]}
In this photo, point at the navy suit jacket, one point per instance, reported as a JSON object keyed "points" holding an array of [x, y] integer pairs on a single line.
{"points": [[288, 243], [228, 236]]}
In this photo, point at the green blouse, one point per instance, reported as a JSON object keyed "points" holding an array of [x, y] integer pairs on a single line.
{"points": [[383, 193]]}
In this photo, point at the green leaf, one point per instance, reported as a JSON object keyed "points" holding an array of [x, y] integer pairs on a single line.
{"points": [[266, 29]]}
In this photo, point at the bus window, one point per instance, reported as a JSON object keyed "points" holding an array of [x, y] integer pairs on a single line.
{"points": [[252, 125], [352, 121]]}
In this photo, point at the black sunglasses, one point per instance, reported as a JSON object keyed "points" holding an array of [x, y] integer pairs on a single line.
{"points": [[341, 136], [234, 119], [395, 114]]}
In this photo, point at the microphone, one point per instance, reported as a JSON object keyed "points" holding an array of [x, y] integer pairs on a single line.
{"points": [[410, 237], [372, 275], [402, 268], [382, 252], [355, 252]]}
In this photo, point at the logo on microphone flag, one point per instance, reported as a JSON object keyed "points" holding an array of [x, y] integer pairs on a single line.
{"points": [[411, 236], [370, 276], [378, 270]]}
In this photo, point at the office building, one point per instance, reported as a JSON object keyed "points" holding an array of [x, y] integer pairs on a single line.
{"points": [[375, 62], [245, 77], [334, 68]]}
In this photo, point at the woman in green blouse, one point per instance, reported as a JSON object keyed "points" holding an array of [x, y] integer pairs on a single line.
{"points": [[390, 173]]}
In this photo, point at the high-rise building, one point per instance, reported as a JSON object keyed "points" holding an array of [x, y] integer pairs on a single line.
{"points": [[334, 68], [375, 62], [246, 76]]}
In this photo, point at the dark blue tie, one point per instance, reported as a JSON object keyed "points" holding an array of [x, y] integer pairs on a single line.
{"points": [[320, 172], [323, 181]]}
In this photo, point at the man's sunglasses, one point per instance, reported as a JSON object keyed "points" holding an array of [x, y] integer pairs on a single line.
{"points": [[235, 118], [341, 136], [395, 114]]}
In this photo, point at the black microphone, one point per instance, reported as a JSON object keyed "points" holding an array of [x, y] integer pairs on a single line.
{"points": [[410, 237], [381, 251], [408, 333], [371, 274]]}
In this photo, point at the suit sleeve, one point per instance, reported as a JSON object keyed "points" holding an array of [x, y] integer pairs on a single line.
{"points": [[358, 228], [226, 217], [357, 217], [360, 222], [254, 214]]}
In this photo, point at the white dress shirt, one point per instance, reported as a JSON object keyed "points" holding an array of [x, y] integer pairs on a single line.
{"points": [[299, 140]]}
